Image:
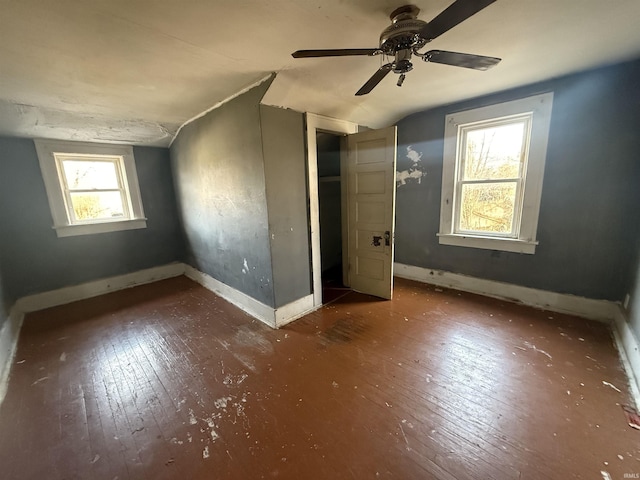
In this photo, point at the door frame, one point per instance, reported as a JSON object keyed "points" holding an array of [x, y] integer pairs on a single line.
{"points": [[321, 123]]}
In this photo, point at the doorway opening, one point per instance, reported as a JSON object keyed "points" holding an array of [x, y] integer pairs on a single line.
{"points": [[338, 128], [330, 215]]}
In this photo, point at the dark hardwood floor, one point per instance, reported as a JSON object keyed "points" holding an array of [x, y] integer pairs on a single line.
{"points": [[169, 381]]}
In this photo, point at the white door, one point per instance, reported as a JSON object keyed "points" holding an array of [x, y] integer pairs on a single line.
{"points": [[371, 176]]}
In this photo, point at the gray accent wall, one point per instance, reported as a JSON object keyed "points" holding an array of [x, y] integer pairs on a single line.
{"points": [[5, 301], [35, 260], [589, 216], [240, 181], [219, 176], [634, 294], [283, 145]]}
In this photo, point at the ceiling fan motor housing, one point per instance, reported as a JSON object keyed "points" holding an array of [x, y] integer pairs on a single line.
{"points": [[404, 31]]}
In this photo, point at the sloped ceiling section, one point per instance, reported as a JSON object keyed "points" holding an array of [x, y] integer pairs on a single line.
{"points": [[134, 71]]}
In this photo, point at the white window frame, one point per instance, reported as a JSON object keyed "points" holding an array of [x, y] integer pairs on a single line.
{"points": [[526, 222], [50, 155]]}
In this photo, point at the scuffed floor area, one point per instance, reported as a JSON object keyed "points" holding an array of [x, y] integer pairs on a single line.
{"points": [[169, 381]]}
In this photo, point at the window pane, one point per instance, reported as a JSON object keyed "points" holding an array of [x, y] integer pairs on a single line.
{"points": [[494, 152], [488, 207], [88, 175], [97, 205]]}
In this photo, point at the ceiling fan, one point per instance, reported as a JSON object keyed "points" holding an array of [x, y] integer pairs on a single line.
{"points": [[406, 35]]}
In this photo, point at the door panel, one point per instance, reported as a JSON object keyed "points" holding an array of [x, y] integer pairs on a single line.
{"points": [[371, 170]]}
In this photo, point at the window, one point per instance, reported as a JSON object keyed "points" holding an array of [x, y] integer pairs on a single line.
{"points": [[492, 175], [92, 188]]}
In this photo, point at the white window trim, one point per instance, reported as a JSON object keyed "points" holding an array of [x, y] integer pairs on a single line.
{"points": [[62, 224], [540, 106]]}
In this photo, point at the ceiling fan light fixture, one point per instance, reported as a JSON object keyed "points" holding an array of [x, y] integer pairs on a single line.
{"points": [[402, 63]]}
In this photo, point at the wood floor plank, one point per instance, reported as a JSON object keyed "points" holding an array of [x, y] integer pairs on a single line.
{"points": [[169, 381]]}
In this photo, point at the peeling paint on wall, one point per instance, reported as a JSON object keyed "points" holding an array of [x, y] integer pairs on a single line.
{"points": [[415, 170]]}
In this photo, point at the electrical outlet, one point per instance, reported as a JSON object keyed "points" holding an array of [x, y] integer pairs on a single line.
{"points": [[625, 304]]}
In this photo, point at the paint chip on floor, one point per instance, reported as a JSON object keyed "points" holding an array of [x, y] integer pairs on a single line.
{"points": [[633, 419], [39, 380], [192, 417], [612, 386]]}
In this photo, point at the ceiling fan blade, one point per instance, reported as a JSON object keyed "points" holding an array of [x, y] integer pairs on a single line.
{"points": [[375, 79], [454, 14], [466, 60], [341, 52]]}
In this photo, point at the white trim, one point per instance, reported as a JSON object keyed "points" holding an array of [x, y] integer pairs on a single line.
{"points": [[540, 106], [10, 331], [629, 348], [51, 174], [103, 227], [488, 243], [270, 316], [8, 345], [61, 296], [601, 310], [219, 104], [241, 300], [294, 310], [339, 127]]}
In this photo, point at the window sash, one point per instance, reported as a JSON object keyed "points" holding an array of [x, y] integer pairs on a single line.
{"points": [[118, 164], [461, 159], [49, 166]]}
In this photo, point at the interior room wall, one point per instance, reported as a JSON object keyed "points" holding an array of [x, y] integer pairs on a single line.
{"points": [[589, 211], [634, 294], [5, 301], [219, 176], [240, 181], [35, 260], [283, 146]]}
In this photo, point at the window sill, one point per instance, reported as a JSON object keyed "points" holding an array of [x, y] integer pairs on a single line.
{"points": [[488, 243], [103, 227]]}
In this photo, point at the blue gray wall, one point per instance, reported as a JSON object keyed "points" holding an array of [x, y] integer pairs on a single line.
{"points": [[239, 173], [5, 301], [634, 293], [219, 176], [589, 216], [284, 150], [34, 259]]}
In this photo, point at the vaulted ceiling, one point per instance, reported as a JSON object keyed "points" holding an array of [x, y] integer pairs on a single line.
{"points": [[133, 71]]}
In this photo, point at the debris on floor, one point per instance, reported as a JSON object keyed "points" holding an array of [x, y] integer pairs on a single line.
{"points": [[632, 416], [611, 385]]}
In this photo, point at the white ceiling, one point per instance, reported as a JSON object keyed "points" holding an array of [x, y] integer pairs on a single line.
{"points": [[133, 71]]}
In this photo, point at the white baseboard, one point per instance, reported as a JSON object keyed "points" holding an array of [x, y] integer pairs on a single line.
{"points": [[241, 300], [601, 310], [61, 296], [8, 345], [629, 348], [274, 317], [39, 301], [294, 310]]}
